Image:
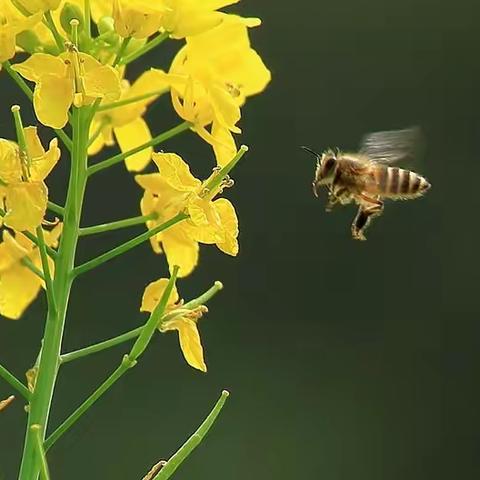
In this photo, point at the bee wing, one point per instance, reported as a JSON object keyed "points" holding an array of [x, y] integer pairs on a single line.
{"points": [[393, 146]]}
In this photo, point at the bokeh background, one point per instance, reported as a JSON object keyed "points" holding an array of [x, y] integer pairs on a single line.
{"points": [[345, 360]]}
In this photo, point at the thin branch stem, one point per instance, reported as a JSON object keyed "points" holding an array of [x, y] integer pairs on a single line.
{"points": [[103, 123], [53, 28], [88, 18], [15, 383], [150, 45], [44, 470], [98, 347], [121, 51], [187, 448], [46, 270], [107, 227], [154, 141], [134, 242], [26, 262], [129, 100], [128, 362], [56, 208]]}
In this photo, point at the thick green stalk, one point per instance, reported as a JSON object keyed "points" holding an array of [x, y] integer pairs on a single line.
{"points": [[62, 282]]}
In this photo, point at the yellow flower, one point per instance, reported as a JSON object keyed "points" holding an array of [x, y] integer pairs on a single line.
{"points": [[137, 18], [176, 190], [34, 6], [126, 122], [12, 22], [185, 18], [213, 75], [18, 285], [72, 77], [25, 194], [182, 320]]}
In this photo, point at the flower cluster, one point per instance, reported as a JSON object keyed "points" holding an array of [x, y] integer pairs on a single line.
{"points": [[72, 59]]}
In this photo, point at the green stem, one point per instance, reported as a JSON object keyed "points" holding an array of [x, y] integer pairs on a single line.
{"points": [[154, 141], [187, 448], [26, 262], [98, 347], [46, 269], [56, 208], [16, 77], [134, 242], [121, 51], [104, 122], [14, 382], [125, 337], [128, 362], [107, 227], [88, 19], [129, 100], [146, 48], [53, 28], [54, 326], [44, 470]]}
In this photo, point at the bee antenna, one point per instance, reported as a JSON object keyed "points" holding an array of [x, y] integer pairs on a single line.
{"points": [[309, 150]]}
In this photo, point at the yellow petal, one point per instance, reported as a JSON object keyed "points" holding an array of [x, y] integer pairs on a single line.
{"points": [[26, 203], [18, 288], [226, 110], [34, 145], [42, 162], [138, 19], [52, 99], [175, 171], [153, 293], [224, 146], [152, 182], [132, 135], [180, 250], [7, 43], [40, 64], [102, 82], [10, 165], [229, 223], [191, 344], [11, 251]]}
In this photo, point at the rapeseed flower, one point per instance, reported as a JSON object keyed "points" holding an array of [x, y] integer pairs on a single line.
{"points": [[183, 320], [174, 190], [24, 191], [71, 78]]}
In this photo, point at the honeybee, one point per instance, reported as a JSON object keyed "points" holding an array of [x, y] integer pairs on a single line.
{"points": [[366, 178]]}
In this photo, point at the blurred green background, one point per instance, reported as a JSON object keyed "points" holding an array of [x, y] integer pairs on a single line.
{"points": [[345, 360]]}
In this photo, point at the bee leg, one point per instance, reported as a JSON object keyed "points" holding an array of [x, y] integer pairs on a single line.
{"points": [[334, 199], [365, 214]]}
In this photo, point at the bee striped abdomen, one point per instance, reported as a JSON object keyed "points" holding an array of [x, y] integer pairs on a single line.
{"points": [[400, 183]]}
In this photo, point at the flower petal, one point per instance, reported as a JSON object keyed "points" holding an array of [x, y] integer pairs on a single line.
{"points": [[229, 223], [132, 135], [175, 171], [153, 293], [52, 99], [224, 146], [40, 64], [18, 288], [191, 344], [102, 82], [26, 203], [180, 250]]}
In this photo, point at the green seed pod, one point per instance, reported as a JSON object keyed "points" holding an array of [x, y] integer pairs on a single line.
{"points": [[69, 12]]}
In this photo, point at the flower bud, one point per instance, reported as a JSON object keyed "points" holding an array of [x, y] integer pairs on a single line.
{"points": [[70, 12], [34, 6], [105, 24], [28, 41]]}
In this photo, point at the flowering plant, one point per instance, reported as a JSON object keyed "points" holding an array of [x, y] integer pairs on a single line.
{"points": [[71, 59]]}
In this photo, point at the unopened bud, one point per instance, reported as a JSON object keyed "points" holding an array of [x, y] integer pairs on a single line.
{"points": [[70, 12]]}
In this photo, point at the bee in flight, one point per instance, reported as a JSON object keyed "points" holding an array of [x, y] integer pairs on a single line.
{"points": [[367, 178]]}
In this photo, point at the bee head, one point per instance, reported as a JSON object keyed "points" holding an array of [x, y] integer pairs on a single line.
{"points": [[325, 169]]}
